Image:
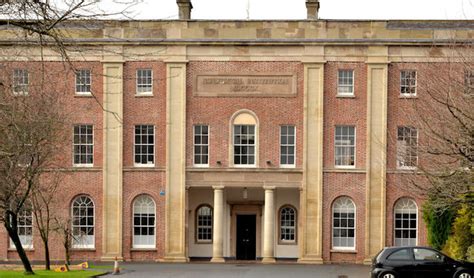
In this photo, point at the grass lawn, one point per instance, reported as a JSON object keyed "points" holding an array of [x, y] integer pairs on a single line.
{"points": [[45, 273]]}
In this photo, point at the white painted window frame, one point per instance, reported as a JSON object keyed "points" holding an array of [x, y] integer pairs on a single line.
{"points": [[404, 210], [75, 244], [399, 154], [134, 213], [345, 146], [204, 165], [351, 85], [140, 84], [83, 75], [343, 248], [248, 145], [135, 144], [405, 82], [21, 79], [74, 144], [282, 165]]}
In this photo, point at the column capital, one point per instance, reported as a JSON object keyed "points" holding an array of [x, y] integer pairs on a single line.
{"points": [[218, 187], [269, 187]]}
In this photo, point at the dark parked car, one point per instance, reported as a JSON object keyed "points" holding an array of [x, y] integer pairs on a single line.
{"points": [[418, 262]]}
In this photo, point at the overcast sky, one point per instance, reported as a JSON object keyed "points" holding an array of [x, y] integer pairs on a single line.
{"points": [[295, 9]]}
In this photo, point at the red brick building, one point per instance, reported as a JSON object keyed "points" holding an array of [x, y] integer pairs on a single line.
{"points": [[239, 139]]}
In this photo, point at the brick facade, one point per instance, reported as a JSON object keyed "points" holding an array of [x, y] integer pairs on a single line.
{"points": [[242, 186]]}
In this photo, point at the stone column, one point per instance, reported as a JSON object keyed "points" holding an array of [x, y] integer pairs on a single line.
{"points": [[175, 231], [312, 194], [377, 87], [112, 158], [218, 225], [269, 226]]}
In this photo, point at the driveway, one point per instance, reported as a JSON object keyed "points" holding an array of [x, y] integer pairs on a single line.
{"points": [[207, 270]]}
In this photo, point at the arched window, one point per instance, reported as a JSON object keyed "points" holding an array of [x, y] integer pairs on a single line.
{"points": [[83, 222], [288, 222], [204, 224], [244, 139], [25, 227], [405, 222], [144, 222], [343, 227]]}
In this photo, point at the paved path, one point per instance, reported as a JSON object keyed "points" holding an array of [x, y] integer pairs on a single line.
{"points": [[207, 270]]}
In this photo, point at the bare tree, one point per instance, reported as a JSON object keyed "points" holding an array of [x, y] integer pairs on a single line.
{"points": [[444, 115], [29, 128], [31, 119], [45, 200], [64, 228]]}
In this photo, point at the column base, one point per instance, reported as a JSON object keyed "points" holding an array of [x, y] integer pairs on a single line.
{"points": [[311, 260], [177, 259], [367, 261], [217, 260], [268, 260]]}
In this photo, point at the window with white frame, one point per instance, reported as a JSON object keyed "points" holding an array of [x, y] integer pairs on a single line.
{"points": [[144, 145], [343, 225], [469, 82], [204, 224], [25, 228], [144, 222], [287, 145], [345, 82], [20, 81], [405, 222], [83, 81], [144, 82], [407, 145], [344, 144], [288, 224], [83, 145], [201, 145], [83, 222], [408, 83], [244, 145]]}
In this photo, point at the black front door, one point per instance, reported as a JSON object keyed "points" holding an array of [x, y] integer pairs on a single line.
{"points": [[246, 237]]}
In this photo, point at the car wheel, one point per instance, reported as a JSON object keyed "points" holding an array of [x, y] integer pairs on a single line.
{"points": [[389, 275], [463, 274]]}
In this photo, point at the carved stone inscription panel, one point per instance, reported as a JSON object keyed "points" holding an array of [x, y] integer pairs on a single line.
{"points": [[258, 85]]}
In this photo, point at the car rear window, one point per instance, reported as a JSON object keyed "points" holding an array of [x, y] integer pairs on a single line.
{"points": [[402, 254]]}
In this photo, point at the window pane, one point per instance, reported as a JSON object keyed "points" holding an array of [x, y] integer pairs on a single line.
{"points": [[83, 222], [405, 222], [144, 222], [343, 223], [201, 145], [83, 144], [287, 145], [144, 144], [344, 144], [244, 144], [204, 223]]}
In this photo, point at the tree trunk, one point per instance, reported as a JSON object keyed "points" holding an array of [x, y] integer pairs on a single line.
{"points": [[11, 226], [66, 249], [47, 261]]}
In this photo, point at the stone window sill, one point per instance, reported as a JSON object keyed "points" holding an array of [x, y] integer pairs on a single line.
{"points": [[343, 251], [143, 249], [345, 96]]}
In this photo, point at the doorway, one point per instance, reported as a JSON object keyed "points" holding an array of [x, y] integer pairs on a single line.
{"points": [[246, 237]]}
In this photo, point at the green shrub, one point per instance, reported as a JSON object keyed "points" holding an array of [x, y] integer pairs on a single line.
{"points": [[470, 254], [461, 238], [438, 224]]}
